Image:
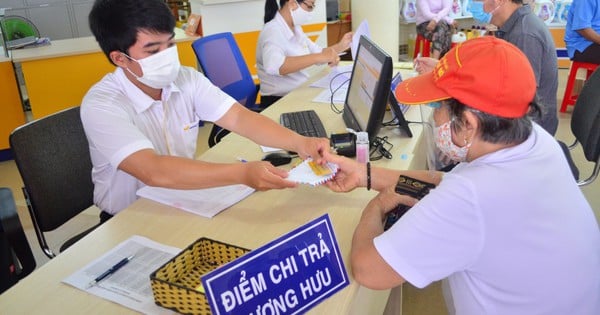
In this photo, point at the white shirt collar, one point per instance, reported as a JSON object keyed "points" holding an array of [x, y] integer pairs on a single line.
{"points": [[288, 33], [140, 100]]}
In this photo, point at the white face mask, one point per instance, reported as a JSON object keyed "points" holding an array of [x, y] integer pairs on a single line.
{"points": [[443, 140], [158, 70], [300, 16]]}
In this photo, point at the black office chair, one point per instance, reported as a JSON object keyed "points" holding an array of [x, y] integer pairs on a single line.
{"points": [[16, 258], [585, 124], [53, 158], [221, 61]]}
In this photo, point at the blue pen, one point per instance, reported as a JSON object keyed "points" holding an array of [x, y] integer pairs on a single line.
{"points": [[242, 160], [110, 271]]}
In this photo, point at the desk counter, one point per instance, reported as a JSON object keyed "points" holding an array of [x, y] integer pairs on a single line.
{"points": [[253, 222], [57, 76]]}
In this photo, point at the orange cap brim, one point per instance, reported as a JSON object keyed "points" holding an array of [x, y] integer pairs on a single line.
{"points": [[419, 90]]}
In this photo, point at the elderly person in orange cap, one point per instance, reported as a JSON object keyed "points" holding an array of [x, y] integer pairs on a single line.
{"points": [[508, 226]]}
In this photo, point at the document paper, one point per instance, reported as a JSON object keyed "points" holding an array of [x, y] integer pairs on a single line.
{"points": [[205, 202], [337, 80], [312, 174], [130, 285]]}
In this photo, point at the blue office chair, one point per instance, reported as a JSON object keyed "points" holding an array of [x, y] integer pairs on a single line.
{"points": [[221, 61]]}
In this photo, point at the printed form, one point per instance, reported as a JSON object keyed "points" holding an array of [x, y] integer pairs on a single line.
{"points": [[130, 285], [205, 202]]}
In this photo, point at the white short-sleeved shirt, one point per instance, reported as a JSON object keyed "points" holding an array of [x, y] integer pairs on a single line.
{"points": [[119, 119], [510, 230], [275, 42]]}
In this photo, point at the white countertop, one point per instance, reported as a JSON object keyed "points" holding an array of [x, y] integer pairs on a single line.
{"points": [[73, 46], [2, 58]]}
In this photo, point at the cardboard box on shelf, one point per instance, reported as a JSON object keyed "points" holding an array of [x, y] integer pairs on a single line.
{"points": [[194, 25]]}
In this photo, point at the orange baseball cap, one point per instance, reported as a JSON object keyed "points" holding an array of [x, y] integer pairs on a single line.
{"points": [[485, 73]]}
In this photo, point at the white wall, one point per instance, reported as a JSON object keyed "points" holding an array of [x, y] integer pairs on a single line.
{"points": [[239, 16], [383, 18]]}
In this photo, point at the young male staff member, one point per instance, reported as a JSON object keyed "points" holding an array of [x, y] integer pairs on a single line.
{"points": [[141, 119], [508, 226], [284, 51]]}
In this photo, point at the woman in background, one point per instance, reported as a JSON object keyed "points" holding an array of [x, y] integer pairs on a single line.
{"points": [[284, 52], [435, 24]]}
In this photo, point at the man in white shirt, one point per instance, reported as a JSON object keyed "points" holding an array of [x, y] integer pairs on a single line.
{"points": [[141, 120], [508, 227]]}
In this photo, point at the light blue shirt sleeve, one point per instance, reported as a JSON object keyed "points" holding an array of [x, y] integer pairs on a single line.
{"points": [[582, 14]]}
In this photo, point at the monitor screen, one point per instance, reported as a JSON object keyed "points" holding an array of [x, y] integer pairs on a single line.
{"points": [[369, 89]]}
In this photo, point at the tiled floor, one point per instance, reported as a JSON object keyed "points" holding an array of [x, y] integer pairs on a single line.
{"points": [[427, 301]]}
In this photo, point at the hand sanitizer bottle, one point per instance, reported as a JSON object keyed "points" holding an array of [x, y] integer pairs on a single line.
{"points": [[362, 147]]}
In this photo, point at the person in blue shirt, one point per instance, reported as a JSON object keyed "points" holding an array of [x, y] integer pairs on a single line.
{"points": [[582, 33]]}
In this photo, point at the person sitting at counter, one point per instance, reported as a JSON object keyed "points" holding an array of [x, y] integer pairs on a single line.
{"points": [[518, 25], [284, 52], [141, 120], [508, 226]]}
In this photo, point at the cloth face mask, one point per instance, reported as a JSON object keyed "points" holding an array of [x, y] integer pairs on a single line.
{"points": [[300, 16], [158, 70], [443, 140]]}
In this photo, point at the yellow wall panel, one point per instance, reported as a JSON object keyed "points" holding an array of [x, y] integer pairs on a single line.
{"points": [[247, 43], [54, 84], [57, 83], [11, 110], [317, 27]]}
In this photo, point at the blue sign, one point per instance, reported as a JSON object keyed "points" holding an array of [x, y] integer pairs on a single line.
{"points": [[289, 275]]}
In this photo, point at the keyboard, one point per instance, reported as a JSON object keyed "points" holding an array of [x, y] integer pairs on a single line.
{"points": [[20, 42], [306, 123]]}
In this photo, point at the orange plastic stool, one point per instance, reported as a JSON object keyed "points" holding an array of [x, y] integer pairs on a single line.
{"points": [[569, 98], [420, 40]]}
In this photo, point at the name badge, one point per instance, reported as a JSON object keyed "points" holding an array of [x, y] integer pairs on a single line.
{"points": [[289, 275]]}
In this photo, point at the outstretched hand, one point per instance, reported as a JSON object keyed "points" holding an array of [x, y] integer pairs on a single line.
{"points": [[425, 64], [314, 148], [350, 175], [345, 42], [262, 176]]}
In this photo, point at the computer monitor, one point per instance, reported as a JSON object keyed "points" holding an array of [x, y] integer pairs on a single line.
{"points": [[368, 89]]}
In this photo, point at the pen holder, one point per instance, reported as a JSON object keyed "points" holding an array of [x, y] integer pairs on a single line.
{"points": [[173, 284]]}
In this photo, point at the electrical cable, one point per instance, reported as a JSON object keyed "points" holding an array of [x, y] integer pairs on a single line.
{"points": [[333, 107], [381, 148]]}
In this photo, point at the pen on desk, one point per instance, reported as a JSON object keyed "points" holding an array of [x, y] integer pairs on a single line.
{"points": [[416, 61], [110, 271], [242, 160]]}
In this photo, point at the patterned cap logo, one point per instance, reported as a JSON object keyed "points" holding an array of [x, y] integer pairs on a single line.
{"points": [[440, 69]]}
